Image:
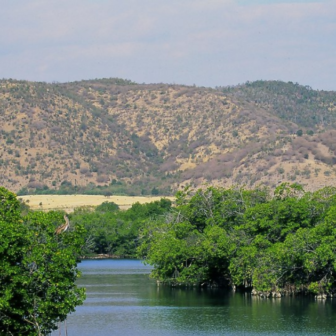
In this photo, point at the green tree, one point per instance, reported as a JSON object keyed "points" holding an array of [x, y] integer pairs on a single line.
{"points": [[113, 231], [107, 207], [246, 238], [38, 269]]}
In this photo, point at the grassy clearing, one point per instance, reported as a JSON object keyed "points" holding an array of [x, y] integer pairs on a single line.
{"points": [[69, 202]]}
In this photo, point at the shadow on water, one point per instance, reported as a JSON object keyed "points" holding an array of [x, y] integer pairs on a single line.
{"points": [[122, 300]]}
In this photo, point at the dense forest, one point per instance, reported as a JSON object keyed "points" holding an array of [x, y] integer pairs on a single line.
{"points": [[271, 243], [275, 245], [110, 231]]}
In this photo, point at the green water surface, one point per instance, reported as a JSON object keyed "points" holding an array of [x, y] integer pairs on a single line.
{"points": [[122, 300]]}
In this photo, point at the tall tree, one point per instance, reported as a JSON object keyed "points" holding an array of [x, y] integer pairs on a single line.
{"points": [[37, 270]]}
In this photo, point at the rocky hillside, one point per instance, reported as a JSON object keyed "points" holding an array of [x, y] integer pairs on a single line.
{"points": [[116, 136]]}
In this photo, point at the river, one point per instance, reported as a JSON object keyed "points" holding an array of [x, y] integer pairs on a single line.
{"points": [[122, 301]]}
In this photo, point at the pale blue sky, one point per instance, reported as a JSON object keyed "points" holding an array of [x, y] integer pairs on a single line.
{"points": [[270, 2], [207, 43]]}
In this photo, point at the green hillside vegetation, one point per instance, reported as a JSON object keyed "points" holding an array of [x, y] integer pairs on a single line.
{"points": [[114, 136], [284, 244]]}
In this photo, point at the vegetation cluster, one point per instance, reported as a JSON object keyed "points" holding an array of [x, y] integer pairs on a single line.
{"points": [[110, 231], [38, 270], [292, 102], [285, 244], [272, 245]]}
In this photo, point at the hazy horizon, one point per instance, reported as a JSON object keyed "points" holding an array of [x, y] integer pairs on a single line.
{"points": [[213, 43]]}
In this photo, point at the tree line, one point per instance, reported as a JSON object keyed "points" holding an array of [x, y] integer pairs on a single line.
{"points": [[111, 231]]}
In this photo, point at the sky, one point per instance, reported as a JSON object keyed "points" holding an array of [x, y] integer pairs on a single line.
{"points": [[203, 42]]}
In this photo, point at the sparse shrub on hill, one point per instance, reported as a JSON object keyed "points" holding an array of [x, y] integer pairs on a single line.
{"points": [[293, 102], [95, 124]]}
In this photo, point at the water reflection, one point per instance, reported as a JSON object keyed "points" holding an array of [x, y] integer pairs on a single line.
{"points": [[121, 300]]}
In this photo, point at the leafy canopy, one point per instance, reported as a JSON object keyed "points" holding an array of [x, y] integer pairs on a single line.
{"points": [[247, 238], [38, 269]]}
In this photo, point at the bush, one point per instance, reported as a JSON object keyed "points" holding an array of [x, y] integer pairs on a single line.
{"points": [[107, 207]]}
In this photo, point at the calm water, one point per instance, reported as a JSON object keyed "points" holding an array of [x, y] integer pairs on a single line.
{"points": [[121, 300]]}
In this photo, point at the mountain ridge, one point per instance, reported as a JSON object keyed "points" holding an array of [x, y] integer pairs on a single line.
{"points": [[114, 135]]}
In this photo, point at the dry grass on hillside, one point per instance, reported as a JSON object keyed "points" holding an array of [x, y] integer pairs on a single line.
{"points": [[112, 136], [69, 202]]}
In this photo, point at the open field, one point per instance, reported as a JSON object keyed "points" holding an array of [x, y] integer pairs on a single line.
{"points": [[69, 202]]}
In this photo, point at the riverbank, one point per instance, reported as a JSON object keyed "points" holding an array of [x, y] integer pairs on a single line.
{"points": [[102, 256]]}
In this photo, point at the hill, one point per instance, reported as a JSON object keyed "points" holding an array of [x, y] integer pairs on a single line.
{"points": [[117, 136]]}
